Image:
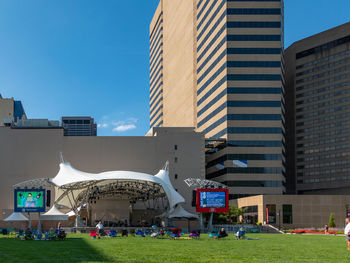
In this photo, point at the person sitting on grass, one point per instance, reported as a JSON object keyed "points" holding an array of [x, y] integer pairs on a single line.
{"points": [[326, 230], [347, 231], [222, 233], [240, 233], [28, 235], [52, 234]]}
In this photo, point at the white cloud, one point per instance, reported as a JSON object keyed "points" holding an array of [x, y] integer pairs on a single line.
{"points": [[124, 127], [102, 125]]}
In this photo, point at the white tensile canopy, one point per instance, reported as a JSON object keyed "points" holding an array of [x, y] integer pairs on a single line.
{"points": [[179, 212], [54, 214], [16, 216], [72, 181]]}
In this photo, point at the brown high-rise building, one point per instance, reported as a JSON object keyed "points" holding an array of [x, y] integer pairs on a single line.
{"points": [[216, 65], [318, 110]]}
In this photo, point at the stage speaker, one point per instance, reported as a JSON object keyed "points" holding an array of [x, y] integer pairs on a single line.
{"points": [[48, 198]]}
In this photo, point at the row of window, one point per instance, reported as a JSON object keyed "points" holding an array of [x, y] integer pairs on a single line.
{"points": [[202, 20], [324, 134], [317, 158], [326, 171], [327, 141], [242, 156], [325, 164], [247, 130], [233, 170], [242, 77], [324, 59], [247, 117], [253, 11], [77, 122], [326, 179], [324, 74], [156, 58], [159, 23], [325, 126], [229, 91], [323, 82], [155, 121], [327, 149], [240, 64], [323, 67], [324, 89], [323, 104], [156, 88], [324, 96], [323, 47], [156, 111], [253, 183], [155, 95], [156, 45], [323, 112], [254, 143]]}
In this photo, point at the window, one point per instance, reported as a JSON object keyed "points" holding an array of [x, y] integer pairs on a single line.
{"points": [[175, 147], [194, 196], [287, 214], [175, 176], [175, 159]]}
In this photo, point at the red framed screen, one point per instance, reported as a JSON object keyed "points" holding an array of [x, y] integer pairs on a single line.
{"points": [[212, 200]]}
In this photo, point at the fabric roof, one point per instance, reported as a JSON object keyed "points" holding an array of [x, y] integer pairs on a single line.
{"points": [[179, 212], [16, 216], [54, 214], [68, 177]]}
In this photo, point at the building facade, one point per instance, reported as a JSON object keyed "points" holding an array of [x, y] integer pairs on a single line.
{"points": [[11, 111], [318, 110], [222, 74], [296, 211], [79, 126], [28, 154]]}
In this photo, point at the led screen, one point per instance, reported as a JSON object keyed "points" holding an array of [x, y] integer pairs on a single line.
{"points": [[212, 200], [29, 200]]}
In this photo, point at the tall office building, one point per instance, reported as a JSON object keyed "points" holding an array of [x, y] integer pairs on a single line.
{"points": [[79, 126], [318, 110], [220, 70]]}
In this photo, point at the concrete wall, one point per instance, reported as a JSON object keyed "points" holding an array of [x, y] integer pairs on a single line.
{"points": [[6, 110], [34, 153]]}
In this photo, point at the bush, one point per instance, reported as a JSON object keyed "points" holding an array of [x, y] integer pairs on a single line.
{"points": [[331, 220]]}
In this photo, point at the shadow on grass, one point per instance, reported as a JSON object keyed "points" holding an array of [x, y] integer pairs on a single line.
{"points": [[70, 250]]}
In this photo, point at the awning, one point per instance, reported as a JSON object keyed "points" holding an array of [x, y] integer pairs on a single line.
{"points": [[54, 215], [16, 216], [179, 212]]}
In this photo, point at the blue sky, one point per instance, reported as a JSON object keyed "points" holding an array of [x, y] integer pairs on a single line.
{"points": [[89, 57]]}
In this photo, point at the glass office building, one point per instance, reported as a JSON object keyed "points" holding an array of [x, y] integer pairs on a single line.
{"points": [[318, 110], [235, 79]]}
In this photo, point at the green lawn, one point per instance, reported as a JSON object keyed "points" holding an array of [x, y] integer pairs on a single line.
{"points": [[269, 248]]}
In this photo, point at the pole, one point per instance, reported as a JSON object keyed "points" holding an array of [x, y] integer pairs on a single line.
{"points": [[210, 225], [39, 225], [279, 219], [201, 222], [30, 222]]}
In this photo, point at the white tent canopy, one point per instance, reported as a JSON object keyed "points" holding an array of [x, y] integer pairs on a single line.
{"points": [[179, 212], [71, 178], [16, 216], [54, 214]]}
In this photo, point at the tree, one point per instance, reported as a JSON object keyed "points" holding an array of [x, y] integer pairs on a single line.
{"points": [[331, 220]]}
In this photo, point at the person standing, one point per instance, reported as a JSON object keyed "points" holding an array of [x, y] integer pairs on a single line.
{"points": [[347, 231], [326, 230], [99, 227]]}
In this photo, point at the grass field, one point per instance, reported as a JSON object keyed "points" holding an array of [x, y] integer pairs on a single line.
{"points": [[269, 248]]}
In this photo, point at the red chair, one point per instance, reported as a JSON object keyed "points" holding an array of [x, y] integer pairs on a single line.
{"points": [[94, 234]]}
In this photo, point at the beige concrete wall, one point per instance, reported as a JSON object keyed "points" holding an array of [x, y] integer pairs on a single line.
{"points": [[6, 110], [34, 153], [308, 210], [179, 96]]}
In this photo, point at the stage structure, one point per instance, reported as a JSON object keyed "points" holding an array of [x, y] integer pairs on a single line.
{"points": [[108, 196]]}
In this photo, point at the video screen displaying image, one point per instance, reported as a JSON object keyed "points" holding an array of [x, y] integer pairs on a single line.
{"points": [[30, 200], [212, 199]]}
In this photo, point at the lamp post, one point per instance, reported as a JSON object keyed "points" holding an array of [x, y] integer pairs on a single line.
{"points": [[279, 219]]}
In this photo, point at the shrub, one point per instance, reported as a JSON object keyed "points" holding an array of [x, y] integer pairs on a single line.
{"points": [[331, 220]]}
